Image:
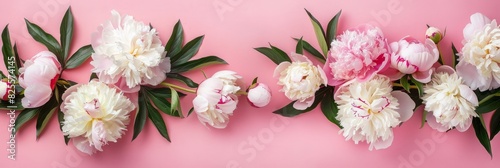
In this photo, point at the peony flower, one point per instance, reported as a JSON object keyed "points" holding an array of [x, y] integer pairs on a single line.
{"points": [[216, 99], [128, 53], [409, 56], [94, 114], [357, 54], [480, 56], [4, 90], [300, 80], [369, 110], [38, 77], [451, 103], [434, 34], [259, 95]]}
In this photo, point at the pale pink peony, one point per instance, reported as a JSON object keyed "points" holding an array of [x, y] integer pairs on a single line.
{"points": [[38, 77], [358, 53], [216, 99], [259, 95], [409, 56]]}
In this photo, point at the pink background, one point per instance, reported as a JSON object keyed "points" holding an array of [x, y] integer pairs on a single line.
{"points": [[254, 137]]}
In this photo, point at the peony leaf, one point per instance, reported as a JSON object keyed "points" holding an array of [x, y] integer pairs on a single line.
{"points": [[176, 105], [187, 52], [198, 63], [482, 134], [45, 114], [46, 39], [161, 103], [420, 86], [10, 56], [190, 111], [320, 33], [488, 106], [454, 60], [93, 76], [331, 29], [275, 55], [289, 111], [66, 31], [299, 47], [60, 117], [311, 50], [329, 107], [405, 84], [79, 57], [495, 124], [157, 120], [23, 117], [174, 44], [141, 115], [190, 83]]}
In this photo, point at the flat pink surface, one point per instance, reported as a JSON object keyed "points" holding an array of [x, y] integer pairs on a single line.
{"points": [[254, 137]]}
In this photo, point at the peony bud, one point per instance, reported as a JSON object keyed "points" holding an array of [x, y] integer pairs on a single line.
{"points": [[434, 34], [259, 95]]}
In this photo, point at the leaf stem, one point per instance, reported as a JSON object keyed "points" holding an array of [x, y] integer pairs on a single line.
{"points": [[180, 88], [241, 92], [399, 85]]}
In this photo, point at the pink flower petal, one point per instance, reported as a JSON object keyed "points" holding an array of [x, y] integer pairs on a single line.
{"points": [[423, 76], [383, 144], [302, 105], [471, 76], [406, 105], [200, 104], [36, 96], [446, 69], [83, 145], [431, 120]]}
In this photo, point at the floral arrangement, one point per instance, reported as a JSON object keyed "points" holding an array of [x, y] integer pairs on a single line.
{"points": [[364, 84], [132, 71], [368, 86]]}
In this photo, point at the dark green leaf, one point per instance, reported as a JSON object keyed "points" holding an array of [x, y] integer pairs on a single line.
{"points": [[495, 124], [46, 39], [331, 29], [190, 83], [274, 55], [289, 111], [420, 86], [66, 31], [299, 47], [79, 57], [25, 116], [489, 105], [8, 53], [158, 121], [424, 118], [482, 134], [161, 103], [404, 83], [190, 111], [198, 63], [329, 107], [18, 60], [311, 50], [454, 60], [141, 115], [187, 52], [45, 114], [254, 81], [320, 33], [176, 104], [93, 76], [60, 117], [174, 44]]}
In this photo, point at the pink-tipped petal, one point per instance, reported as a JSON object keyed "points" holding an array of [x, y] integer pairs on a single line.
{"points": [[431, 120], [423, 76]]}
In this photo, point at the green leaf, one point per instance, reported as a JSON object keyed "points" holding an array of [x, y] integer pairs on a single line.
{"points": [[190, 111], [60, 118], [79, 57], [18, 60], [495, 124], [254, 81], [404, 83], [44, 38], [159, 100], [331, 29], [10, 58], [158, 121], [25, 116], [488, 106], [299, 47], [329, 107], [275, 56], [482, 134], [311, 50], [66, 31], [187, 52], [420, 86], [46, 112], [93, 76], [424, 118], [190, 83], [141, 115], [174, 44], [176, 104], [454, 60], [320, 33], [289, 111], [198, 63]]}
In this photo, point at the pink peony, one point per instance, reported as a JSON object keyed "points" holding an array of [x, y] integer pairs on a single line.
{"points": [[38, 78], [259, 95], [409, 56], [357, 54]]}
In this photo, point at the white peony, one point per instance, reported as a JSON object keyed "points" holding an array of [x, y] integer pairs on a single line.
{"points": [[451, 103], [128, 53], [369, 110], [216, 99], [94, 114], [480, 56], [300, 80]]}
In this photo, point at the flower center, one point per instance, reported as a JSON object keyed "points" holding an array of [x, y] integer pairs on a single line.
{"points": [[92, 108], [364, 109], [137, 47]]}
